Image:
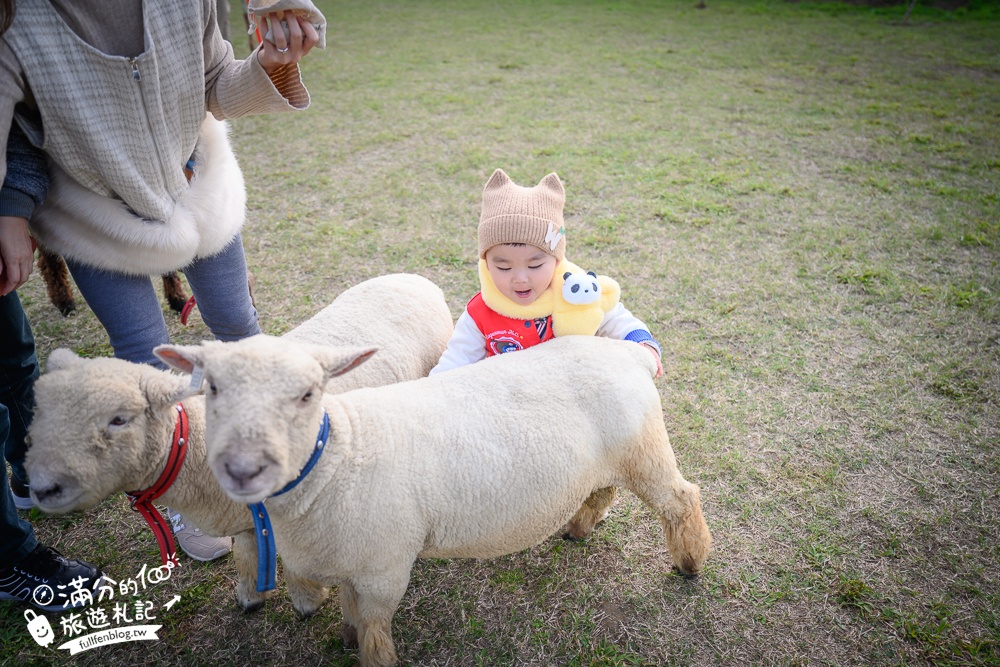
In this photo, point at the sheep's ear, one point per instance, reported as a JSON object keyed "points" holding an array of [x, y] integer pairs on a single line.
{"points": [[165, 388], [337, 361], [62, 358], [184, 358]]}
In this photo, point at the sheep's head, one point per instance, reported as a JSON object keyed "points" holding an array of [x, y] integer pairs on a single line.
{"points": [[263, 405], [96, 428]]}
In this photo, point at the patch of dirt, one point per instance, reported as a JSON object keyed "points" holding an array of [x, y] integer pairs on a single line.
{"points": [[612, 619]]}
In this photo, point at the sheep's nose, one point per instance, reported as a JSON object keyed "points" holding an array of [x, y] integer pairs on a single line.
{"points": [[242, 471], [42, 494]]}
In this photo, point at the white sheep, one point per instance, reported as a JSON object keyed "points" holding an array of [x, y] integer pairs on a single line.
{"points": [[480, 461], [104, 426]]}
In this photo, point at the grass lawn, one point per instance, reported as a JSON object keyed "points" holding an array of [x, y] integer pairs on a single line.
{"points": [[801, 201]]}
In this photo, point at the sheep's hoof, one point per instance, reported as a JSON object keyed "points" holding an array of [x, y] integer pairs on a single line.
{"points": [[578, 531], [306, 614], [250, 607], [349, 636], [307, 608], [688, 576]]}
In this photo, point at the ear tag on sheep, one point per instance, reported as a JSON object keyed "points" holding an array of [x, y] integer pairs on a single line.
{"points": [[197, 377]]}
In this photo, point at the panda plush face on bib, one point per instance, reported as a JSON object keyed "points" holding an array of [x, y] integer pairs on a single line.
{"points": [[580, 289]]}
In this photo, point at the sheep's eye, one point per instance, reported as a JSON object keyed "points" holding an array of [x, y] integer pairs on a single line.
{"points": [[212, 388], [118, 421], [307, 396]]}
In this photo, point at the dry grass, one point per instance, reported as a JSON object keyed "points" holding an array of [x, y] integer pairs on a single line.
{"points": [[802, 202]]}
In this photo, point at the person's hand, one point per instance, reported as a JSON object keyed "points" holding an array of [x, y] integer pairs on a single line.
{"points": [[302, 36], [17, 253], [656, 355]]}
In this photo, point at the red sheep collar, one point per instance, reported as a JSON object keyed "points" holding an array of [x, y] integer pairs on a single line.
{"points": [[142, 501]]}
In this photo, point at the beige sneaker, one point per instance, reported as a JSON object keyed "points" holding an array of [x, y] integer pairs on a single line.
{"points": [[195, 544]]}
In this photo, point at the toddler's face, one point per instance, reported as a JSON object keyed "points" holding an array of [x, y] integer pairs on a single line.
{"points": [[521, 272]]}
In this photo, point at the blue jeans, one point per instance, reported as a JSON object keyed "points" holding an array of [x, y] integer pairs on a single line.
{"points": [[130, 311], [18, 372]]}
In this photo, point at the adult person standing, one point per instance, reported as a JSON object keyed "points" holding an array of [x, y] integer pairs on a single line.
{"points": [[126, 99]]}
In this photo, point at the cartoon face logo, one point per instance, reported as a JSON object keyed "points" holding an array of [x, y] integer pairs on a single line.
{"points": [[580, 289], [39, 628], [504, 344]]}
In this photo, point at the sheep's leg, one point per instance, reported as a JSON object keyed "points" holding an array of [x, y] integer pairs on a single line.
{"points": [[377, 600], [677, 502], [688, 537], [375, 641], [349, 610], [245, 557], [307, 595], [594, 510]]}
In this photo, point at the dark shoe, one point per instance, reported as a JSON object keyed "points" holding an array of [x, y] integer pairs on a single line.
{"points": [[22, 497], [50, 581]]}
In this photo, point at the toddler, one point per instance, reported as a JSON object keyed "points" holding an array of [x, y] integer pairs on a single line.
{"points": [[522, 250]]}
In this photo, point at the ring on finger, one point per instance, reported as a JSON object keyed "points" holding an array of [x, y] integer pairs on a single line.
{"points": [[284, 50]]}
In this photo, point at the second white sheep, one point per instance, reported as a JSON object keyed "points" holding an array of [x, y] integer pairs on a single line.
{"points": [[103, 426]]}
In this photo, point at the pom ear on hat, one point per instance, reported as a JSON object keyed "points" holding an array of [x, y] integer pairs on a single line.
{"points": [[553, 183], [500, 178], [515, 214], [497, 180]]}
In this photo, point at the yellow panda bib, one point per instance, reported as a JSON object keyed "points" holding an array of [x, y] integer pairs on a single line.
{"points": [[573, 316]]}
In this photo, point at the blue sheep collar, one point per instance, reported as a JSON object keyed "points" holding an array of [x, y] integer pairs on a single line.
{"points": [[267, 556]]}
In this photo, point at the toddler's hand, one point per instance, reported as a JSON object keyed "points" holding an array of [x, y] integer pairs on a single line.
{"points": [[656, 355]]}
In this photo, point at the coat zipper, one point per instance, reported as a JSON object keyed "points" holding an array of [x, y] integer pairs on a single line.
{"points": [[137, 77]]}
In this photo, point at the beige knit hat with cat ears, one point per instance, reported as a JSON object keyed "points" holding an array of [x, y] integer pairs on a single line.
{"points": [[516, 214]]}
